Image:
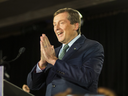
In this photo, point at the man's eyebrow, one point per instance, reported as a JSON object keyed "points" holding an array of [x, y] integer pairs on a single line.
{"points": [[59, 21]]}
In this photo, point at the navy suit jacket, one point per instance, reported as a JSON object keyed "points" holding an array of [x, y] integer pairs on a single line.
{"points": [[79, 70]]}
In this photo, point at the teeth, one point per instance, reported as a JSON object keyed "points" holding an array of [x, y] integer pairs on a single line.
{"points": [[58, 33]]}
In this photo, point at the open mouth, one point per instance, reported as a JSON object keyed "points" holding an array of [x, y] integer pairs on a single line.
{"points": [[59, 33]]}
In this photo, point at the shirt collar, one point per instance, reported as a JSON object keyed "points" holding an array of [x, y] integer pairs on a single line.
{"points": [[72, 41]]}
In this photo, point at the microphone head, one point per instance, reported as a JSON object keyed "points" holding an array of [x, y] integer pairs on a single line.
{"points": [[21, 50]]}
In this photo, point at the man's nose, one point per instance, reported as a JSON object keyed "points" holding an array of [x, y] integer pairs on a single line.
{"points": [[57, 27]]}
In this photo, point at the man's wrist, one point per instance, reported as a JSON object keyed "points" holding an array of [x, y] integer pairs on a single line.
{"points": [[42, 65]]}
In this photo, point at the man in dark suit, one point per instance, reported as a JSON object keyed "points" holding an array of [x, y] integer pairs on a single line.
{"points": [[79, 68]]}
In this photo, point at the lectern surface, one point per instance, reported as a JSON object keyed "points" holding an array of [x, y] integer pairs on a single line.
{"points": [[13, 90]]}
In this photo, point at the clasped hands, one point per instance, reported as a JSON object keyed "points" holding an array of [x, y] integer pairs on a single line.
{"points": [[47, 52]]}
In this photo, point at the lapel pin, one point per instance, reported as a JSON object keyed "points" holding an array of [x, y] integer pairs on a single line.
{"points": [[74, 48]]}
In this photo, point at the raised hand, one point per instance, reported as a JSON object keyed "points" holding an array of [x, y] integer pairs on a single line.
{"points": [[42, 63], [47, 51]]}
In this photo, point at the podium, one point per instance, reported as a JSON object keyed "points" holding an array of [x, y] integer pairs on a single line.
{"points": [[13, 90], [9, 89]]}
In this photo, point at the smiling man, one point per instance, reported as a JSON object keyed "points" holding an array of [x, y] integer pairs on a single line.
{"points": [[76, 64], [64, 30]]}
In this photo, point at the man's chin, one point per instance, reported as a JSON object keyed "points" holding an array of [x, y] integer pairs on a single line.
{"points": [[61, 41]]}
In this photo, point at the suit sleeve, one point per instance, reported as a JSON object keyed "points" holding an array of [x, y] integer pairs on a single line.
{"points": [[85, 68], [36, 81]]}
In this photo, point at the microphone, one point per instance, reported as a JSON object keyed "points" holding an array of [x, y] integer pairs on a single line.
{"points": [[2, 62], [21, 50]]}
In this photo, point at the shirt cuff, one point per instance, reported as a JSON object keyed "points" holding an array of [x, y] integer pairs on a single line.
{"points": [[38, 70]]}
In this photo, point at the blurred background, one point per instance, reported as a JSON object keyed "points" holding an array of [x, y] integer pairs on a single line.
{"points": [[23, 21]]}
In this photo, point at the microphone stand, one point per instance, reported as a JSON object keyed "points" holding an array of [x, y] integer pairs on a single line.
{"points": [[2, 62]]}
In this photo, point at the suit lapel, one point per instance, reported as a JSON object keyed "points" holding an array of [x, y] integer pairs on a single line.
{"points": [[74, 47]]}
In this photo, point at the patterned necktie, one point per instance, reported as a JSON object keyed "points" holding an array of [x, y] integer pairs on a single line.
{"points": [[63, 51]]}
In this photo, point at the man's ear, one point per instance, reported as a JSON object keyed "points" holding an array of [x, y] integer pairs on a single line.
{"points": [[76, 26]]}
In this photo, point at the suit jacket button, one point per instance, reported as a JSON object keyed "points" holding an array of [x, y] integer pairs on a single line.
{"points": [[53, 85]]}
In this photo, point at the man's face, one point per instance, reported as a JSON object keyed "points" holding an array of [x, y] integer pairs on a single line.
{"points": [[64, 31]]}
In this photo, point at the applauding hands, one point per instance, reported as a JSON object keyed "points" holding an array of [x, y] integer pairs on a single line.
{"points": [[47, 52]]}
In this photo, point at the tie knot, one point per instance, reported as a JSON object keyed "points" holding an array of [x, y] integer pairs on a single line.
{"points": [[65, 47]]}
